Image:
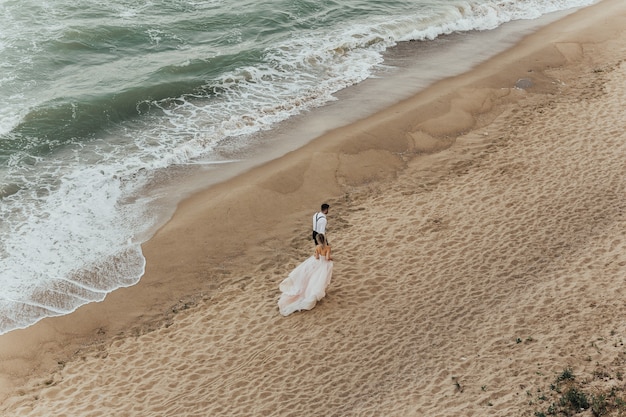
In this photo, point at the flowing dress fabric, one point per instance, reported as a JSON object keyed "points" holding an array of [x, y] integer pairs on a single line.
{"points": [[305, 285]]}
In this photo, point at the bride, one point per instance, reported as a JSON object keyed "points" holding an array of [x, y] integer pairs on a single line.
{"points": [[307, 283]]}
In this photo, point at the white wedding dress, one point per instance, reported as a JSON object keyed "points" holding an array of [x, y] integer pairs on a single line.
{"points": [[305, 285]]}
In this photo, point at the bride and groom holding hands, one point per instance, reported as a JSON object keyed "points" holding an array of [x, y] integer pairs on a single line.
{"points": [[307, 283]]}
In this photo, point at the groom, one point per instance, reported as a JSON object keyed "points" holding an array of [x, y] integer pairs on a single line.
{"points": [[319, 222]]}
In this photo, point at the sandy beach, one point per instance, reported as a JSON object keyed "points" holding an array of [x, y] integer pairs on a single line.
{"points": [[479, 240]]}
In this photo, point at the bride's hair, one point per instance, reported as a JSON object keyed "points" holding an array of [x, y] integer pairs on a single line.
{"points": [[320, 239]]}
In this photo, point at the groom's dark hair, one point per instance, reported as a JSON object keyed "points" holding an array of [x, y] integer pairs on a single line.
{"points": [[325, 206]]}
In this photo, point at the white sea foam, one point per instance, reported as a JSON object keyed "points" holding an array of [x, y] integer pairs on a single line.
{"points": [[63, 241]]}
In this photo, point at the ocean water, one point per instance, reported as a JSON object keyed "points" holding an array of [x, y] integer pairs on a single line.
{"points": [[102, 103]]}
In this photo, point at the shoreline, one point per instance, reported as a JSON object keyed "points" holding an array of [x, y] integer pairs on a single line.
{"points": [[410, 76], [219, 239]]}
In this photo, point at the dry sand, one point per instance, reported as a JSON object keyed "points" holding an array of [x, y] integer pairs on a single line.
{"points": [[479, 235]]}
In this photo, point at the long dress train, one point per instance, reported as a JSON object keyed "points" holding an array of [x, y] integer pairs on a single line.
{"points": [[305, 285]]}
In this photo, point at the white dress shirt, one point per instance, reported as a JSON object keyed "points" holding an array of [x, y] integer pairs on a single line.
{"points": [[319, 222]]}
